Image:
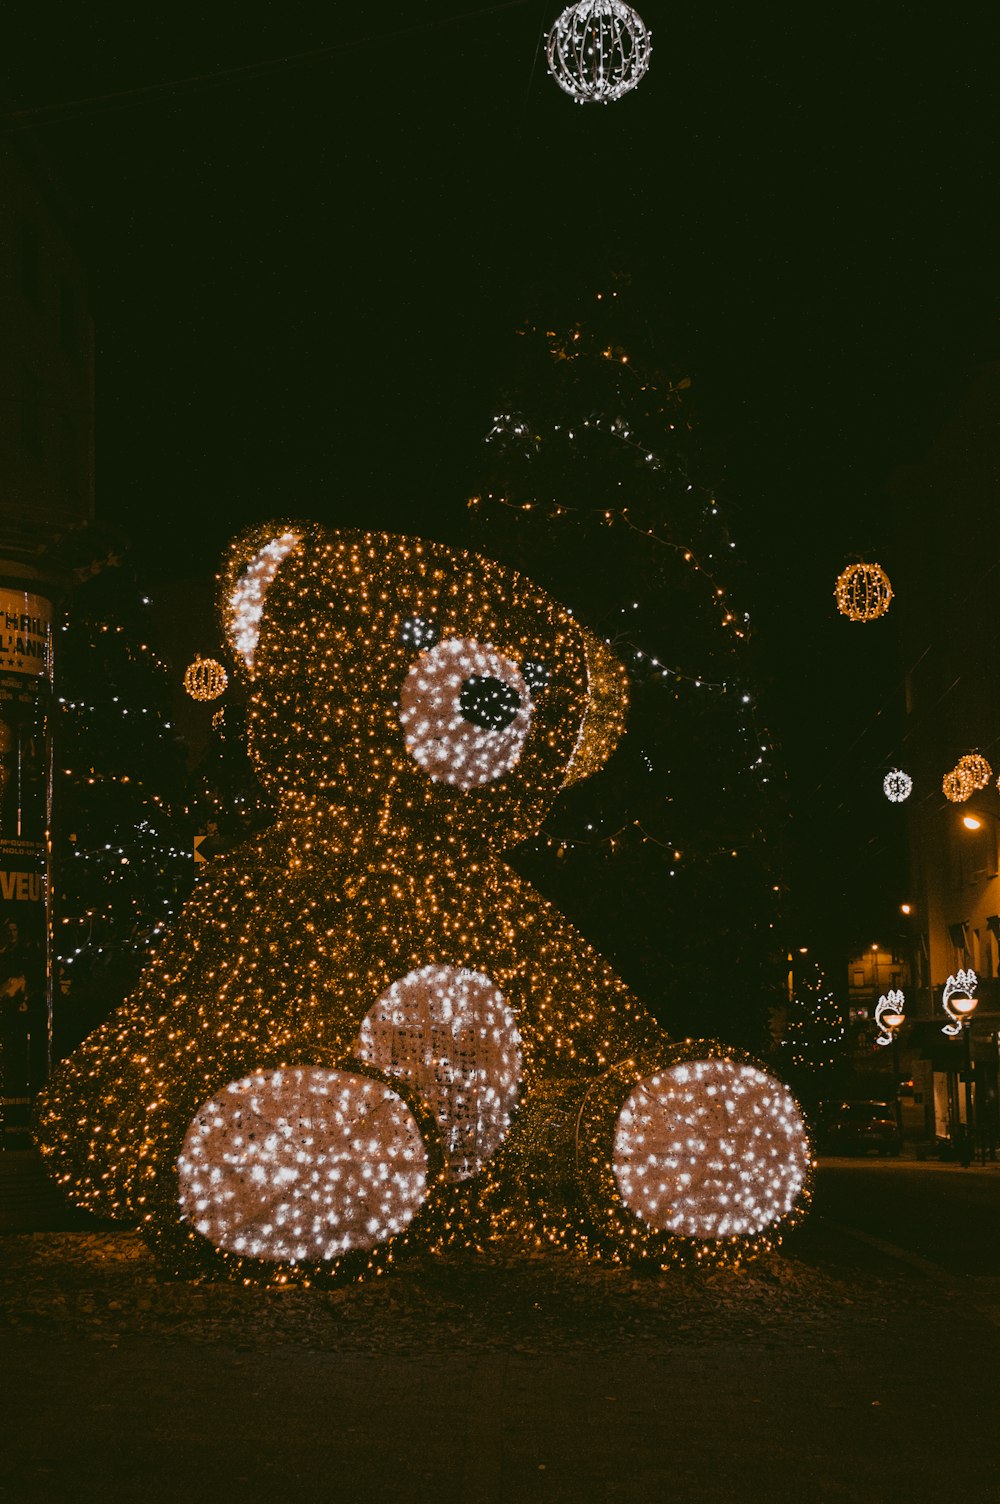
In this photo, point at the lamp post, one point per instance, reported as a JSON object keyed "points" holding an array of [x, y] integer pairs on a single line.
{"points": [[889, 1016], [960, 1003]]}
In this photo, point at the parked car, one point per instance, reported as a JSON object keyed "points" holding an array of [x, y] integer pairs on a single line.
{"points": [[863, 1128]]}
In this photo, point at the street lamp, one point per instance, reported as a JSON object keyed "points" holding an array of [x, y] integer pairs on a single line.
{"points": [[889, 1017], [960, 1004]]}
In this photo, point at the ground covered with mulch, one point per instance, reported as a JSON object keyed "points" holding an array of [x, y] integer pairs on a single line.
{"points": [[106, 1285]]}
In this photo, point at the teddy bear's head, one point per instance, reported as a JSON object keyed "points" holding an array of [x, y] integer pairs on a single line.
{"points": [[422, 687]]}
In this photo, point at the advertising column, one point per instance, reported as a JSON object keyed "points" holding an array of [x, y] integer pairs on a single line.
{"points": [[25, 850]]}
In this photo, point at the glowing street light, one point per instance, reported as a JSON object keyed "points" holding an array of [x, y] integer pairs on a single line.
{"points": [[960, 1003]]}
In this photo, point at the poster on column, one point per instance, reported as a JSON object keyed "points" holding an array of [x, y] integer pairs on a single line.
{"points": [[25, 803]]}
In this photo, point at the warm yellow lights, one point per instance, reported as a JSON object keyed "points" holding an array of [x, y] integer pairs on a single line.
{"points": [[971, 823], [958, 785], [976, 768], [366, 1030], [863, 592], [205, 679]]}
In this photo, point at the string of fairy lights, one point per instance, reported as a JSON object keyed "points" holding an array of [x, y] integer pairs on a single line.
{"points": [[116, 897], [664, 420]]}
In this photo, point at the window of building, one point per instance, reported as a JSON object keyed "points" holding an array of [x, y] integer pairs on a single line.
{"points": [[859, 979]]}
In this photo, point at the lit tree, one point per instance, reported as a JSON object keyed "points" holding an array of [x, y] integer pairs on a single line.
{"points": [[814, 1036], [123, 852], [592, 488]]}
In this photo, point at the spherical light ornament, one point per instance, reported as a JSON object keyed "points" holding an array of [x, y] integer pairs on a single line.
{"points": [[598, 50], [863, 592], [205, 679], [958, 785], [897, 786], [975, 766]]}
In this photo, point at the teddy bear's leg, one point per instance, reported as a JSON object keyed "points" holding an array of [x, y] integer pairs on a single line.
{"points": [[450, 1032], [301, 1163], [88, 1120], [706, 1146]]}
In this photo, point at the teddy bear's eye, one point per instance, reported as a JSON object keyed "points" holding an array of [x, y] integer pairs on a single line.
{"points": [[534, 674], [465, 709], [488, 702], [418, 632]]}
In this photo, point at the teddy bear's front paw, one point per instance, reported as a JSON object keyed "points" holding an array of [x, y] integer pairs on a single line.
{"points": [[302, 1163]]}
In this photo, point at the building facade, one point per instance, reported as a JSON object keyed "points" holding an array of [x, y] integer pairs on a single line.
{"points": [[947, 608], [46, 499]]}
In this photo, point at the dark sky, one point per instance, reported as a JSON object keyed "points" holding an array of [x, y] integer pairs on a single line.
{"points": [[305, 279]]}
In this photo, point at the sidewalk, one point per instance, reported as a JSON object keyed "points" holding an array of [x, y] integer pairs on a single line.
{"points": [[493, 1380]]}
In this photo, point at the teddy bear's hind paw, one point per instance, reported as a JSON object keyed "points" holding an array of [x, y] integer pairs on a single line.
{"points": [[302, 1163]]}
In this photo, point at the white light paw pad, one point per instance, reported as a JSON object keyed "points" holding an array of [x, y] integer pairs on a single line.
{"points": [[450, 1033], [302, 1163], [710, 1149]]}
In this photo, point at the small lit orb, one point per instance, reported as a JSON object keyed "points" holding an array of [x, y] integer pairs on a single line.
{"points": [[958, 785], [711, 1149], [598, 50], [863, 592], [976, 768], [205, 679], [897, 786]]}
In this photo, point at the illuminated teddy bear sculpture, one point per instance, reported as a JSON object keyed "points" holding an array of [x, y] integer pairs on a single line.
{"points": [[365, 1031]]}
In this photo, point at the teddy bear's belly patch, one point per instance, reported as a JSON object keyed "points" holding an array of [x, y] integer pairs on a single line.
{"points": [[451, 1034]]}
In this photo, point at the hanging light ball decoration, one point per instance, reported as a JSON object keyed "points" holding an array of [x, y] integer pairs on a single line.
{"points": [[958, 785], [598, 50], [205, 679], [897, 786], [975, 766], [863, 592]]}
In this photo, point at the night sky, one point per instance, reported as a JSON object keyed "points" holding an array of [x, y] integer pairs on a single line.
{"points": [[306, 276]]}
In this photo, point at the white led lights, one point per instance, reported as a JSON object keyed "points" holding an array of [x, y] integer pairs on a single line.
{"points": [[958, 1001], [301, 1163], [598, 50], [889, 1015], [710, 1149], [247, 600], [897, 786], [466, 711], [450, 1032]]}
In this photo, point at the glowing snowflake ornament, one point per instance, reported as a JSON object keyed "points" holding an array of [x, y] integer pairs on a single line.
{"points": [[897, 786], [598, 50]]}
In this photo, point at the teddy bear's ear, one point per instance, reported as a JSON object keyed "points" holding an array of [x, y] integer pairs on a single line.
{"points": [[604, 717], [251, 563]]}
